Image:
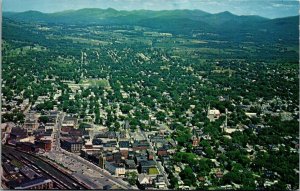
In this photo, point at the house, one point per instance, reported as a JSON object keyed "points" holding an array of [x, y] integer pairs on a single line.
{"points": [[159, 182], [213, 114], [145, 182], [195, 140], [165, 160], [150, 155], [162, 152], [173, 143], [219, 174], [250, 115]]}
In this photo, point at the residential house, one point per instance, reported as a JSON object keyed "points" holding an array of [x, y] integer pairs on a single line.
{"points": [[213, 114], [145, 182], [159, 182]]}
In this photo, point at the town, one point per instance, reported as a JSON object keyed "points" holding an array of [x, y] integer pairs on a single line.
{"points": [[132, 107]]}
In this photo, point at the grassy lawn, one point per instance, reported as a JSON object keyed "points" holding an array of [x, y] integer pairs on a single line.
{"points": [[153, 171], [95, 82]]}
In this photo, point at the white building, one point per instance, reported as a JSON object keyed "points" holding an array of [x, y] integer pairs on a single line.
{"points": [[213, 114]]}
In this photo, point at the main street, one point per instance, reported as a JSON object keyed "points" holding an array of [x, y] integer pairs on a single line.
{"points": [[56, 132]]}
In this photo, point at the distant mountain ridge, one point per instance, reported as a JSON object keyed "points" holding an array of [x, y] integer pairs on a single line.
{"points": [[174, 21], [98, 15]]}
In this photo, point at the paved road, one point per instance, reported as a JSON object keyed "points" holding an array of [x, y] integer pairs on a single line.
{"points": [[47, 170], [58, 128], [27, 109]]}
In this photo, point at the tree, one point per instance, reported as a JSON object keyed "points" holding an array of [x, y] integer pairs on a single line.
{"points": [[173, 181], [131, 177], [125, 108], [203, 166], [188, 176], [161, 116], [183, 138], [43, 119]]}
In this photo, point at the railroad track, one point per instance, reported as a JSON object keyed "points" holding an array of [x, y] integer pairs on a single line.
{"points": [[61, 178]]}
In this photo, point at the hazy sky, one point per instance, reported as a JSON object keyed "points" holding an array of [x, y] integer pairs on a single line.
{"points": [[265, 8]]}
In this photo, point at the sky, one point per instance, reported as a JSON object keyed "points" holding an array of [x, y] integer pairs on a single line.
{"points": [[265, 8]]}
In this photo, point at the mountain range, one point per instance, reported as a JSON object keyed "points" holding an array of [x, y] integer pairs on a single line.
{"points": [[175, 21]]}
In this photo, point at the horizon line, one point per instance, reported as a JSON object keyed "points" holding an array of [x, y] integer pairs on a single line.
{"points": [[144, 10]]}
